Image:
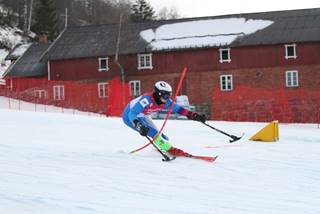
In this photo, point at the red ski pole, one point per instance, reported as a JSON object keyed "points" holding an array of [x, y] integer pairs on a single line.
{"points": [[169, 112]]}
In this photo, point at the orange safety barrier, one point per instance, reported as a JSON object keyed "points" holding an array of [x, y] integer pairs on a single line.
{"points": [[293, 105], [107, 98]]}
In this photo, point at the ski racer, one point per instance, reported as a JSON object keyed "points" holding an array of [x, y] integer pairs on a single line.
{"points": [[137, 113]]}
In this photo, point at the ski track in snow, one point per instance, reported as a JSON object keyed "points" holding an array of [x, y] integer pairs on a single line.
{"points": [[53, 163]]}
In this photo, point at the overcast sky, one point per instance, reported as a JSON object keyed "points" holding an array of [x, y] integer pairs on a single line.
{"points": [[195, 8]]}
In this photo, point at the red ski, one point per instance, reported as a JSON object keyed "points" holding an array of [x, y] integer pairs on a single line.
{"points": [[205, 158]]}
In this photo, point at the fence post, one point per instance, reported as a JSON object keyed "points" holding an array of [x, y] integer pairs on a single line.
{"points": [[319, 113], [9, 103]]}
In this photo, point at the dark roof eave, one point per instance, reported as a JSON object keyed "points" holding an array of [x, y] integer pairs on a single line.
{"points": [[233, 45]]}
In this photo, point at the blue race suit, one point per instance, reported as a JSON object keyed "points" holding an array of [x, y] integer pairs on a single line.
{"points": [[141, 108]]}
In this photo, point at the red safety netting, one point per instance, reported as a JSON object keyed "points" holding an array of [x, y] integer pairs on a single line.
{"points": [[107, 98], [292, 105], [119, 97]]}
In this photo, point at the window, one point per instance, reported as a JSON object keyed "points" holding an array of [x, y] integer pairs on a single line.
{"points": [[145, 61], [103, 89], [135, 88], [226, 83], [292, 79], [40, 94], [103, 64], [290, 51], [58, 92], [224, 55]]}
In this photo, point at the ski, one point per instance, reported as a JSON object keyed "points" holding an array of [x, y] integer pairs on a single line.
{"points": [[169, 159], [204, 158]]}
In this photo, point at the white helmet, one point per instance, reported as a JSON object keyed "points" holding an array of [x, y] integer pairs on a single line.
{"points": [[163, 90]]}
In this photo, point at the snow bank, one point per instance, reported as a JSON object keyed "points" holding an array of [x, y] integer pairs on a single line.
{"points": [[216, 32]]}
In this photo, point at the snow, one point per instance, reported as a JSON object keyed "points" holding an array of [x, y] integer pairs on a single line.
{"points": [[14, 104], [3, 64], [60, 163], [3, 53], [9, 38], [10, 35], [212, 32], [19, 51]]}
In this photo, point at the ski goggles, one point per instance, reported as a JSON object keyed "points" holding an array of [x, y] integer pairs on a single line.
{"points": [[165, 95]]}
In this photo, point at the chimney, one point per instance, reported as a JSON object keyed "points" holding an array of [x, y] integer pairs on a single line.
{"points": [[42, 38]]}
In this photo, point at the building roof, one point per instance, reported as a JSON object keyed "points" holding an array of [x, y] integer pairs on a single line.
{"points": [[29, 64], [17, 51], [235, 30], [289, 27]]}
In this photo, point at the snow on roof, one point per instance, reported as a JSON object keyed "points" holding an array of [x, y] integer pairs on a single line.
{"points": [[3, 64], [201, 33], [3, 53], [19, 50]]}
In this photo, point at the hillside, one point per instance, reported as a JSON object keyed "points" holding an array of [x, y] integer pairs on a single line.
{"points": [[9, 38], [55, 163]]}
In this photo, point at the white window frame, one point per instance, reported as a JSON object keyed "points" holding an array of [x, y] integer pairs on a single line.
{"points": [[40, 93], [107, 64], [143, 63], [292, 82], [228, 80], [58, 92], [133, 85], [2, 82], [294, 51], [104, 88], [229, 55]]}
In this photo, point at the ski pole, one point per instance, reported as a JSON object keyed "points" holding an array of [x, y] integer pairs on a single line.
{"points": [[165, 157], [234, 138]]}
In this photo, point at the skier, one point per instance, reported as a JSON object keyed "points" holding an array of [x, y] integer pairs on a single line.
{"points": [[137, 113]]}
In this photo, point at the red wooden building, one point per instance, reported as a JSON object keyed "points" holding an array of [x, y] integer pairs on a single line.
{"points": [[241, 67]]}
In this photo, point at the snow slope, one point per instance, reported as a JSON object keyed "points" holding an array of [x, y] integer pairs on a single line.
{"points": [[14, 104], [73, 164]]}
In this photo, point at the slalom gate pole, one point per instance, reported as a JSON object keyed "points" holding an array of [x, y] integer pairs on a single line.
{"points": [[169, 112], [234, 138]]}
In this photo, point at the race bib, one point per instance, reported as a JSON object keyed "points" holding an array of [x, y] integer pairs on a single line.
{"points": [[144, 102]]}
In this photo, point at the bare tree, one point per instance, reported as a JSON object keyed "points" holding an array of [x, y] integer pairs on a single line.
{"points": [[166, 13], [86, 12], [22, 13]]}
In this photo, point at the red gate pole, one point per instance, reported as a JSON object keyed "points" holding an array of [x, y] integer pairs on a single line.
{"points": [[168, 114]]}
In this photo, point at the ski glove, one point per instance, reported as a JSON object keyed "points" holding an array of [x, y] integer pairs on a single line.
{"points": [[142, 129], [197, 117]]}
